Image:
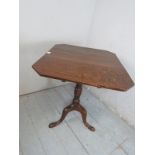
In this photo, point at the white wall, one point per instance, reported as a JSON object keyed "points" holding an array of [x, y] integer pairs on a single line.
{"points": [[112, 29], [44, 23]]}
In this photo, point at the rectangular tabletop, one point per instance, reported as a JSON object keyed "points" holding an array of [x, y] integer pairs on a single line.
{"points": [[93, 67]]}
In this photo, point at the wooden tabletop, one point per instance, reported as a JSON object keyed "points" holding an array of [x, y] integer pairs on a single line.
{"points": [[93, 67]]}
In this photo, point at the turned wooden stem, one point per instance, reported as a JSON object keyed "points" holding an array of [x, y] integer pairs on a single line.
{"points": [[77, 93]]}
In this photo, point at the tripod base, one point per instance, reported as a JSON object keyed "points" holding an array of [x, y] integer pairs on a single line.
{"points": [[74, 106]]}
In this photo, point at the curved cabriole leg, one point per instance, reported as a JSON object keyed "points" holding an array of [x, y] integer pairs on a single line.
{"points": [[64, 113], [83, 112], [74, 106]]}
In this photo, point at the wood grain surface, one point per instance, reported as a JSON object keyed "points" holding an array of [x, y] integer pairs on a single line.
{"points": [[83, 65]]}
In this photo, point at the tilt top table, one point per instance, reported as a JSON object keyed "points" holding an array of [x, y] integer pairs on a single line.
{"points": [[83, 65]]}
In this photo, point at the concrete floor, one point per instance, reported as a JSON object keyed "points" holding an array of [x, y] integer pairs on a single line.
{"points": [[113, 136]]}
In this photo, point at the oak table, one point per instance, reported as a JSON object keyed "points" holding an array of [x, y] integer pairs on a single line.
{"points": [[83, 65]]}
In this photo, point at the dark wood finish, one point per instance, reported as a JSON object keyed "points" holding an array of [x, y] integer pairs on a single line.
{"points": [[82, 65], [74, 106], [98, 68]]}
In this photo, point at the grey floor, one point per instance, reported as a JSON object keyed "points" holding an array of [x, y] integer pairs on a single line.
{"points": [[113, 136]]}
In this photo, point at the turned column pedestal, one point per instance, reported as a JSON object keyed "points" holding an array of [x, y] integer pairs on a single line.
{"points": [[75, 105]]}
